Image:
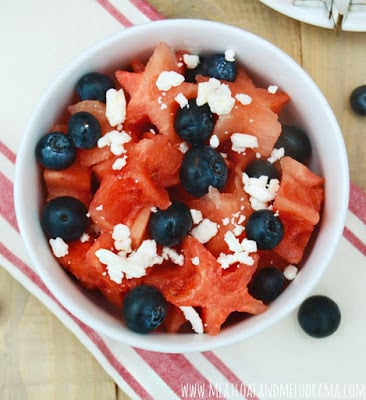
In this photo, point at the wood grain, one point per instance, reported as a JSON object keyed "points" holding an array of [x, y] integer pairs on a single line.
{"points": [[39, 358]]}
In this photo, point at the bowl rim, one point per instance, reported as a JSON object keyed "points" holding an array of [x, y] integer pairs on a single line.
{"points": [[158, 341]]}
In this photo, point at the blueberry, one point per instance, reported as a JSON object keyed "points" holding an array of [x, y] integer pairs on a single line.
{"points": [[55, 151], [319, 316], [64, 217], [144, 308], [358, 100], [202, 167], [265, 228], [267, 284], [258, 168], [216, 66], [84, 130], [93, 86], [295, 142], [194, 123], [168, 227], [191, 74]]}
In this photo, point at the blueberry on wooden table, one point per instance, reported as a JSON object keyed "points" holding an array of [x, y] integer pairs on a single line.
{"points": [[319, 316], [358, 100], [144, 309], [56, 151]]}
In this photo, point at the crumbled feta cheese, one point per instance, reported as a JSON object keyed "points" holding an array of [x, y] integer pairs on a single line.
{"points": [[260, 190], [242, 141], [119, 163], [191, 60], [193, 317], [276, 155], [217, 95], [272, 89], [243, 99], [130, 266], [168, 79], [205, 230], [290, 272], [226, 221], [84, 237], [59, 247], [230, 55], [181, 100], [183, 147], [171, 254], [197, 216], [195, 260], [115, 140], [240, 251], [121, 237], [214, 141], [115, 106]]}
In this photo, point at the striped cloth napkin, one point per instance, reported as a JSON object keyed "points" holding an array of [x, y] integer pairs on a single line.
{"points": [[282, 362]]}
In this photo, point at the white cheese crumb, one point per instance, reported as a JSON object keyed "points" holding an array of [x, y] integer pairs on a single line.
{"points": [[168, 79], [242, 141], [121, 237], [119, 163], [272, 89], [276, 155], [230, 55], [205, 230], [243, 99], [181, 100], [197, 216], [214, 141], [261, 191], [183, 147], [290, 272], [171, 254], [193, 317], [240, 251], [195, 260], [115, 140], [115, 106], [217, 95], [59, 247], [132, 266], [84, 237], [191, 60], [226, 221]]}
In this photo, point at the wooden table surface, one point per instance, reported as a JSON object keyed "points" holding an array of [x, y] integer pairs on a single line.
{"points": [[39, 358]]}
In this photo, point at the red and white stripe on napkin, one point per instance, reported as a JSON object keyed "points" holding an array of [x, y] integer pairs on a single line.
{"points": [[252, 369]]}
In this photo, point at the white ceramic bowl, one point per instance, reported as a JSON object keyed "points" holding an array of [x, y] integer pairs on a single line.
{"points": [[308, 109]]}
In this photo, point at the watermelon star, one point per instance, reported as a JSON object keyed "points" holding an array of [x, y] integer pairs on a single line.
{"points": [[148, 105], [216, 292]]}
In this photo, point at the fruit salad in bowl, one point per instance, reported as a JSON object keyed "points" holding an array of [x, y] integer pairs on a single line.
{"points": [[176, 192]]}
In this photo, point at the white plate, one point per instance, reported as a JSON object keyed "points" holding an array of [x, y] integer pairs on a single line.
{"points": [[354, 19]]}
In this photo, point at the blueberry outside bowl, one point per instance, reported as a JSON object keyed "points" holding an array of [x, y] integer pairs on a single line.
{"points": [[268, 65]]}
